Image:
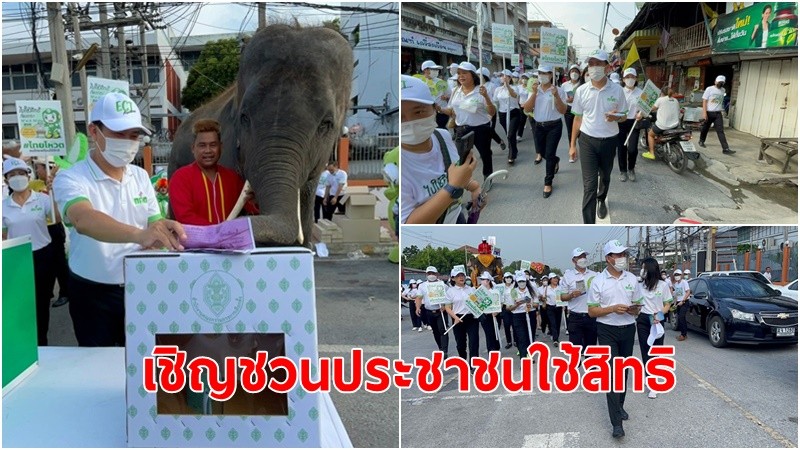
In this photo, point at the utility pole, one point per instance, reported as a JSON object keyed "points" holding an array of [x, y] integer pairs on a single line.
{"points": [[105, 46], [712, 234], [59, 74], [119, 13], [145, 76], [262, 16], [76, 28], [628, 242]]}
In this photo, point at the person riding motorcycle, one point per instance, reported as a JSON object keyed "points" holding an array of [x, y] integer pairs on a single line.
{"points": [[668, 112]]}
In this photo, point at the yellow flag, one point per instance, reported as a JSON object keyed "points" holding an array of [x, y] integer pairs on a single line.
{"points": [[633, 56]]}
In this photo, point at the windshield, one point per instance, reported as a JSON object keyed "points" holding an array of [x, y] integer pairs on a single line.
{"points": [[737, 287]]}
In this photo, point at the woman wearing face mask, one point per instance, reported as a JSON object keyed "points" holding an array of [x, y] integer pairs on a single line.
{"points": [[505, 312], [466, 326], [544, 319], [432, 181], [25, 213], [473, 109], [657, 300], [680, 293], [112, 207], [410, 295], [570, 87], [552, 295], [489, 321], [491, 86], [506, 96], [627, 150], [523, 302]]}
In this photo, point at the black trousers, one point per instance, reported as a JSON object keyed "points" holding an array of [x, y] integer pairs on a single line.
{"points": [[329, 209], [44, 281], [682, 326], [465, 331], [416, 321], [569, 119], [318, 208], [643, 331], [483, 142], [714, 117], [495, 137], [58, 238], [626, 154], [597, 161], [582, 329], [437, 327], [546, 137], [98, 312], [514, 121], [545, 319], [620, 340], [441, 120], [554, 314], [508, 321], [488, 323], [521, 331]]}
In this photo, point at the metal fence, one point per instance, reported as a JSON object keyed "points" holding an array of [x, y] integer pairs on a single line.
{"points": [[365, 158], [773, 259]]}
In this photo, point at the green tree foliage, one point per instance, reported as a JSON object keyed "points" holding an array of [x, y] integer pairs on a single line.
{"points": [[442, 258], [214, 71]]}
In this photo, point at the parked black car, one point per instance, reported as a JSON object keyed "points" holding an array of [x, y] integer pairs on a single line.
{"points": [[740, 310]]}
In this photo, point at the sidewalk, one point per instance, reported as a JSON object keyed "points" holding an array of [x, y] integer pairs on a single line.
{"points": [[743, 167]]}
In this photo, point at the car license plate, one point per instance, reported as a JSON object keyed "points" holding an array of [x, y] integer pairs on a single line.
{"points": [[687, 146], [783, 332]]}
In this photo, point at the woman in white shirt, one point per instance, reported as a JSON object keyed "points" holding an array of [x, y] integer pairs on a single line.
{"points": [[506, 96], [548, 103], [657, 301], [544, 321], [554, 312], [680, 293], [628, 150], [491, 86], [25, 213], [466, 325], [486, 319], [505, 313], [473, 109], [523, 301], [570, 87], [410, 295]]}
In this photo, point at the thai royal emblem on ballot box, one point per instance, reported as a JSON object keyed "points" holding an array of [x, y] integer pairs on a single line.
{"points": [[214, 306]]}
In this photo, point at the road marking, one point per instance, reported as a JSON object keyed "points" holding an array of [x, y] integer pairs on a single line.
{"points": [[497, 397], [382, 349], [774, 434], [551, 440]]}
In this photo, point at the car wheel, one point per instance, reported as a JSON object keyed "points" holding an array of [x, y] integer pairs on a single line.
{"points": [[716, 332]]}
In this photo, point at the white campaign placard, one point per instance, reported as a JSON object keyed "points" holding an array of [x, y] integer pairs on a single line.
{"points": [[502, 38], [99, 87], [41, 128], [437, 292], [524, 265], [650, 94], [553, 46]]}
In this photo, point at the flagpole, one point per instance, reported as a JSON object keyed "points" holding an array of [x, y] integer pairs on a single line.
{"points": [[454, 324], [496, 332], [479, 20]]}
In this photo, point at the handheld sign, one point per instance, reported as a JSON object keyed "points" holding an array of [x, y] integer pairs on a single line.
{"points": [[41, 128], [436, 293], [553, 46], [99, 87], [524, 265]]}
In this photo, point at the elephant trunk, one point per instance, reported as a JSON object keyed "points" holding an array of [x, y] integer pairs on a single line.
{"points": [[276, 188]]}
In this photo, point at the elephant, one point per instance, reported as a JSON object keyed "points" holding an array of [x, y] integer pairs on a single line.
{"points": [[486, 263], [280, 121]]}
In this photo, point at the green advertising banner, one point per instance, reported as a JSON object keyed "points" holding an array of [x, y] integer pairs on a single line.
{"points": [[760, 26], [41, 128], [20, 349]]}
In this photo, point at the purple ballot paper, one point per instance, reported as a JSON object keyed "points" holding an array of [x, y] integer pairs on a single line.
{"points": [[236, 235]]}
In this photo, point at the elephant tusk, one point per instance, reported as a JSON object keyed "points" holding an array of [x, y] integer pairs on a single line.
{"points": [[300, 236], [237, 208]]}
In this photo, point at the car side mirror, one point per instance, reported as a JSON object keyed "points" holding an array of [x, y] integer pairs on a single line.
{"points": [[701, 296]]}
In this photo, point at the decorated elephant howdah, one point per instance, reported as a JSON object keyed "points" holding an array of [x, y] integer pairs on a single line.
{"points": [[485, 263], [280, 121]]}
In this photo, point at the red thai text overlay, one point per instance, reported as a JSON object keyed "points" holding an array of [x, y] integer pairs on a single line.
{"points": [[167, 370]]}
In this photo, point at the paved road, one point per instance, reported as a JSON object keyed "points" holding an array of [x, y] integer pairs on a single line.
{"points": [[356, 306], [658, 196], [734, 397]]}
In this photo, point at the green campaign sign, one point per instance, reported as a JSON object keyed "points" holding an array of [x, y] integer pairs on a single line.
{"points": [[41, 127], [760, 26]]}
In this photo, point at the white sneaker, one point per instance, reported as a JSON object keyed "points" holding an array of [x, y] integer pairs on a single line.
{"points": [[652, 394], [415, 329], [572, 160], [421, 329], [429, 327]]}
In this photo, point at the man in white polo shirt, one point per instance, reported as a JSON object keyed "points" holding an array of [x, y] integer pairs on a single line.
{"points": [[615, 299], [575, 285], [599, 106], [111, 210], [431, 298], [713, 107]]}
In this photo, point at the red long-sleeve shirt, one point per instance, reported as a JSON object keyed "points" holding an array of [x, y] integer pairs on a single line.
{"points": [[484, 248], [195, 200]]}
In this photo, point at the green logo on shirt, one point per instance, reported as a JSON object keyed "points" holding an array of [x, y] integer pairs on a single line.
{"points": [[140, 200], [36, 208], [611, 99]]}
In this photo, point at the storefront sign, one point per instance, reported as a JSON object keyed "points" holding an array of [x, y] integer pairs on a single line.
{"points": [[425, 42], [763, 25], [487, 56], [693, 72], [553, 47]]}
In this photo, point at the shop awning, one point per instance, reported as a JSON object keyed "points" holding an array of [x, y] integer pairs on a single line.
{"points": [[426, 42], [642, 38]]}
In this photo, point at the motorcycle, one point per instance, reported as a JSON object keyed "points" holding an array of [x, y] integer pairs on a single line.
{"points": [[673, 146]]}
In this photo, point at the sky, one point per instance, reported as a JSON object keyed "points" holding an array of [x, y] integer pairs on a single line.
{"points": [[574, 15], [521, 242]]}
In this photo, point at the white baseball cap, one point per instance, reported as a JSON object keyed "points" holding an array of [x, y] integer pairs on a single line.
{"points": [[629, 71], [514, 75], [614, 77], [419, 281], [431, 269], [118, 113], [520, 277], [468, 66], [415, 90], [506, 72], [687, 272], [453, 66], [720, 78], [578, 252], [544, 68], [430, 65], [507, 275], [483, 238], [457, 271], [677, 272], [14, 164], [600, 54], [614, 246], [552, 275], [545, 277], [485, 71], [486, 276], [575, 66]]}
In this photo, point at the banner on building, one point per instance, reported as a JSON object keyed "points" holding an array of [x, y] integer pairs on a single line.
{"points": [[425, 42], [760, 26], [502, 38], [41, 128], [99, 87], [553, 46]]}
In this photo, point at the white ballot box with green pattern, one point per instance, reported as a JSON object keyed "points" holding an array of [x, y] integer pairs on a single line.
{"points": [[213, 306]]}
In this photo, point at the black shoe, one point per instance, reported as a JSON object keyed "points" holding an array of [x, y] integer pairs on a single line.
{"points": [[728, 151], [61, 301], [556, 171], [537, 161], [502, 145], [510, 161], [602, 210], [618, 432], [508, 346], [702, 144], [546, 194], [623, 414]]}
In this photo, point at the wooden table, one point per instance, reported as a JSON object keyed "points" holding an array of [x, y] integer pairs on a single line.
{"points": [[783, 145]]}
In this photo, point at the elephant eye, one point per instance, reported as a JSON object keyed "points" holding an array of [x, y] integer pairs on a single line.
{"points": [[244, 119], [325, 126]]}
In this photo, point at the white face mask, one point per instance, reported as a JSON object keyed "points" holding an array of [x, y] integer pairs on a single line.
{"points": [[574, 76], [453, 71], [18, 182], [544, 79], [509, 281], [664, 277], [119, 152], [485, 283], [434, 73], [596, 73], [630, 82], [582, 263], [621, 263], [586, 77], [522, 284], [678, 277], [432, 278], [418, 131]]}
